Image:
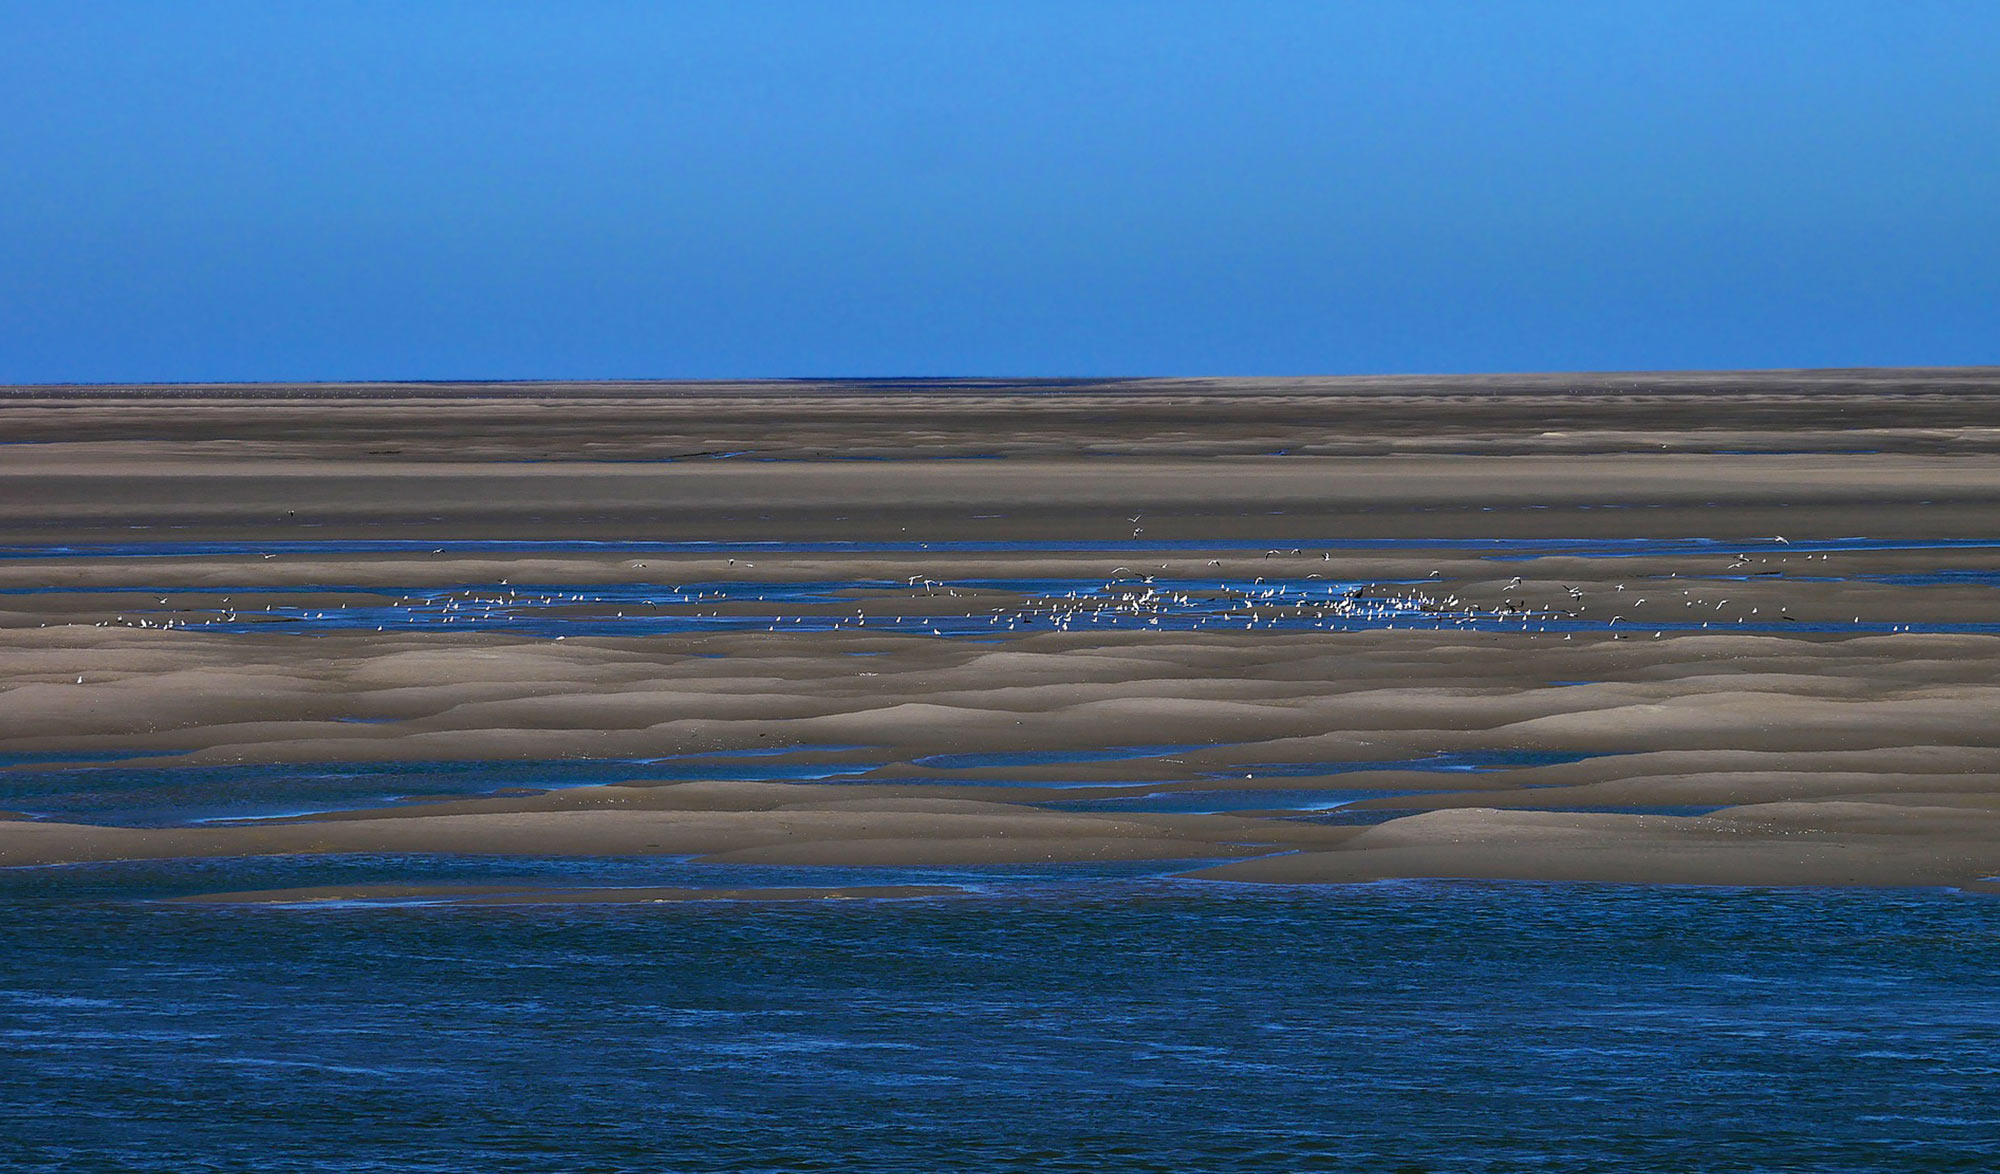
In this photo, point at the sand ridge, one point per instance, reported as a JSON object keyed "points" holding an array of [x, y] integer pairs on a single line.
{"points": [[1780, 705]]}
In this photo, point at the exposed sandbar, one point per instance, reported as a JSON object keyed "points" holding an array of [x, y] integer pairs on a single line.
{"points": [[1756, 710]]}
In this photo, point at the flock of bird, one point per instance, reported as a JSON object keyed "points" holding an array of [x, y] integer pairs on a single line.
{"points": [[1124, 599]]}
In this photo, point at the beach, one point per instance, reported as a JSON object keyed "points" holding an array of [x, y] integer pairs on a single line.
{"points": [[1712, 629]]}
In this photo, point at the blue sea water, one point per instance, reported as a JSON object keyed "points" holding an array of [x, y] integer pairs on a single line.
{"points": [[101, 789], [1055, 1018], [1102, 1024], [161, 794], [981, 607]]}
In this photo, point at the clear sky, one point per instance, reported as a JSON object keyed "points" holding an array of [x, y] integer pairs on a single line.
{"points": [[322, 190]]}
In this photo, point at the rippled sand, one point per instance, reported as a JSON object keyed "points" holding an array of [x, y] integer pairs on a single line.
{"points": [[1276, 631]]}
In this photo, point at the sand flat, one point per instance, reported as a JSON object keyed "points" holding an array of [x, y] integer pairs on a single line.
{"points": [[1709, 628]]}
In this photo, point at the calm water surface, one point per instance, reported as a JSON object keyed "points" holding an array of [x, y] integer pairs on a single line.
{"points": [[1103, 1022], [1106, 1018]]}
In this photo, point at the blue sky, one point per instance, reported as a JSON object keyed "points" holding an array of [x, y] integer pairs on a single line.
{"points": [[326, 190]]}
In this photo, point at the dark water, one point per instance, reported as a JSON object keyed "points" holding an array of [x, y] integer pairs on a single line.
{"points": [[966, 608], [1055, 1018], [99, 789], [977, 608], [1109, 1025], [156, 795]]}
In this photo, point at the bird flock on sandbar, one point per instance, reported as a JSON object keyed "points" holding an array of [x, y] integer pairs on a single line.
{"points": [[1124, 599]]}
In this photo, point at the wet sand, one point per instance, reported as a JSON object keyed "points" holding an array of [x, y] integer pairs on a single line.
{"points": [[1260, 626]]}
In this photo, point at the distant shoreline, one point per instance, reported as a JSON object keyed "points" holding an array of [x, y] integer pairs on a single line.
{"points": [[1882, 380]]}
